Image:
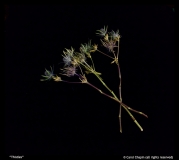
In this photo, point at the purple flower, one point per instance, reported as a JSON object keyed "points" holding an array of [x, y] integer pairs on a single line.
{"points": [[69, 71], [109, 44]]}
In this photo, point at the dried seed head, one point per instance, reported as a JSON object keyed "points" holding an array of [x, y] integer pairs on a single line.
{"points": [[102, 32], [48, 75], [115, 36], [85, 48], [67, 57], [69, 71], [106, 37], [57, 78], [109, 45], [95, 47]]}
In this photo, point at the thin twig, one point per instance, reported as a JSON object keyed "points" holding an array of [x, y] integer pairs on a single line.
{"points": [[92, 62], [118, 48], [105, 54], [116, 99], [81, 70], [123, 105], [120, 96], [135, 110]]}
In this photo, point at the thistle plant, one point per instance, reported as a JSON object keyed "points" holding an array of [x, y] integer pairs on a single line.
{"points": [[77, 64]]}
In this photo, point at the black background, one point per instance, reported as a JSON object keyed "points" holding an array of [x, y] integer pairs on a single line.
{"points": [[50, 118]]}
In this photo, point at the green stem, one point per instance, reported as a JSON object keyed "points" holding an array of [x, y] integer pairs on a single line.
{"points": [[92, 62], [86, 66], [115, 97], [90, 69], [106, 86], [117, 100]]}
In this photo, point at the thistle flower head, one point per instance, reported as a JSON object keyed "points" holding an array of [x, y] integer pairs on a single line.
{"points": [[69, 71], [80, 57], [115, 36], [67, 57], [48, 75], [86, 48], [109, 45], [69, 52], [102, 31]]}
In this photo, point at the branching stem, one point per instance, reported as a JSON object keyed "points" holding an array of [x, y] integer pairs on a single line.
{"points": [[105, 54], [116, 99]]}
